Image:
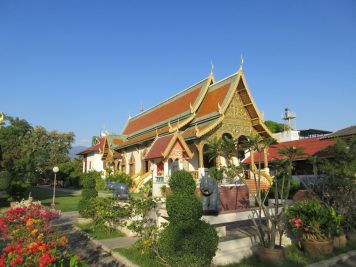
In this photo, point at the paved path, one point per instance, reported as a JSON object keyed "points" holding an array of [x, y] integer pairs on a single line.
{"points": [[90, 251]]}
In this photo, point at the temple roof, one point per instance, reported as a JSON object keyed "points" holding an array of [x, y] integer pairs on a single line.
{"points": [[312, 147], [98, 147], [194, 111], [178, 106], [162, 146]]}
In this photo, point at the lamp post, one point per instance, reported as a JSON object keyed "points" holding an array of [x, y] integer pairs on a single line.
{"points": [[55, 170]]}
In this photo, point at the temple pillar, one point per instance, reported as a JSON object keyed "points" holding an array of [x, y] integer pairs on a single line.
{"points": [[166, 168], [180, 164]]}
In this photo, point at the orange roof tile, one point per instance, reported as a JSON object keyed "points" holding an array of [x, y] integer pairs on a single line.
{"points": [[163, 112], [212, 99]]}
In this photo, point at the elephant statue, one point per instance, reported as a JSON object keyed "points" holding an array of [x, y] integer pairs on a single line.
{"points": [[119, 190], [210, 195]]}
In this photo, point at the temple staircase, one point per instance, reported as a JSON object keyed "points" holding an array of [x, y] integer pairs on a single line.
{"points": [[140, 180]]}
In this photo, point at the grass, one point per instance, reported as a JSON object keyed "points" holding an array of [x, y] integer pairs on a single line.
{"points": [[295, 257], [64, 201], [145, 260], [99, 233]]}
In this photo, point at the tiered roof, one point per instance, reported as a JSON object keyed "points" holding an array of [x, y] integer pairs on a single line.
{"points": [[194, 111]]}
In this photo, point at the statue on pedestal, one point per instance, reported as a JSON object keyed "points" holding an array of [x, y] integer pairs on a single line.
{"points": [[210, 195]]}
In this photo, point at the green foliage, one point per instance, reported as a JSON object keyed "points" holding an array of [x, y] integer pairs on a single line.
{"points": [[140, 207], [86, 206], [5, 179], [17, 190], [277, 186], [336, 187], [100, 184], [70, 172], [31, 153], [192, 246], [184, 209], [186, 241], [182, 182], [88, 180], [217, 174], [109, 213], [89, 193], [121, 177], [310, 220], [275, 127]]}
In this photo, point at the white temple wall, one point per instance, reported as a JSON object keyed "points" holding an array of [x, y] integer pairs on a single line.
{"points": [[94, 162]]}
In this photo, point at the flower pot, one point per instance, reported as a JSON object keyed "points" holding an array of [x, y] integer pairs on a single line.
{"points": [[318, 246], [352, 235], [340, 241], [273, 256]]}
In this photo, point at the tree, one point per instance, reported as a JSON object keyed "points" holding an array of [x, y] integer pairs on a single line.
{"points": [[11, 140], [275, 127], [336, 186]]}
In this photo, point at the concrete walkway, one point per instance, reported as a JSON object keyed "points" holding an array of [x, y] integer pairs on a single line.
{"points": [[94, 252]]}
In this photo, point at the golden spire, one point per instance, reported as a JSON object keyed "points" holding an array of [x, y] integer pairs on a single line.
{"points": [[242, 61], [1, 118], [211, 67]]}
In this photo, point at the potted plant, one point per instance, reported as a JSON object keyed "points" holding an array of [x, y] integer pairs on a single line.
{"points": [[338, 231], [313, 224], [270, 221]]}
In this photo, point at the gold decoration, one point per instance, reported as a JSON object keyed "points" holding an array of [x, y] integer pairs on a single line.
{"points": [[1, 118]]}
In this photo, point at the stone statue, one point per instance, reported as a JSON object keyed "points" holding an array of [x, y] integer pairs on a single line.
{"points": [[119, 190], [210, 195]]}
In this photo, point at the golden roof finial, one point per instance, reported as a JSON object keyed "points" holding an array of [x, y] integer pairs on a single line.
{"points": [[242, 61], [211, 67], [156, 132]]}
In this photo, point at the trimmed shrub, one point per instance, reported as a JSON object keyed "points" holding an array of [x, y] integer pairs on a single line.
{"points": [[89, 193], [5, 179], [186, 241], [88, 180], [86, 205], [193, 246], [182, 181], [184, 209]]}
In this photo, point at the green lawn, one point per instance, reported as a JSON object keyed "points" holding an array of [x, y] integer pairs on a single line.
{"points": [[135, 256], [64, 201], [99, 233], [294, 257]]}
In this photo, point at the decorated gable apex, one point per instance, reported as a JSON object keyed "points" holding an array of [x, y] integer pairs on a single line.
{"points": [[170, 146]]}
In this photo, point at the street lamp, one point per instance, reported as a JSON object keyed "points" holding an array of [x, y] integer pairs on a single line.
{"points": [[55, 170]]}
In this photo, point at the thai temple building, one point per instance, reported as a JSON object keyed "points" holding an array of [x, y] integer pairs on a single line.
{"points": [[174, 134]]}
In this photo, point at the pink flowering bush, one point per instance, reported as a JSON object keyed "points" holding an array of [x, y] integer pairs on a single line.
{"points": [[26, 229], [310, 220]]}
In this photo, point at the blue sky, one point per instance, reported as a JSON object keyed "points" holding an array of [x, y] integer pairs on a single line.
{"points": [[84, 65]]}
